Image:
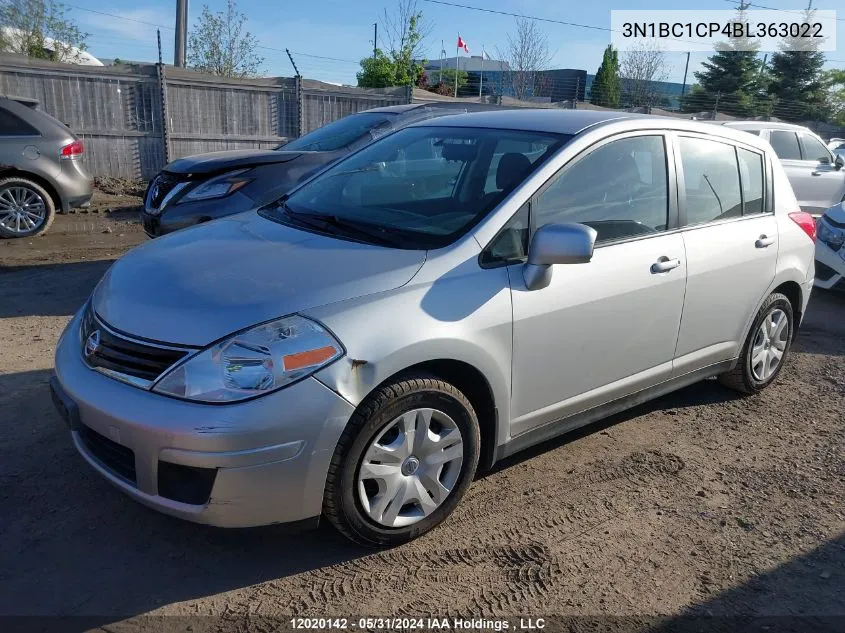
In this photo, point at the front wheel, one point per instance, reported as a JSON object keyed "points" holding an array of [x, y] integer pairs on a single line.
{"points": [[765, 349], [403, 463]]}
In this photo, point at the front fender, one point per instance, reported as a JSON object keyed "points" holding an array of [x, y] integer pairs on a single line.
{"points": [[464, 317]]}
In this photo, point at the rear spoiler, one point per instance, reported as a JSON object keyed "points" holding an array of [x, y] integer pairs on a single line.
{"points": [[25, 101]]}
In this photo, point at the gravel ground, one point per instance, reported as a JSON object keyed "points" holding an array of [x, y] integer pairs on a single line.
{"points": [[699, 503]]}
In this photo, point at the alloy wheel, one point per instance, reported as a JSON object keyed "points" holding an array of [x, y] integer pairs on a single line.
{"points": [[769, 345]]}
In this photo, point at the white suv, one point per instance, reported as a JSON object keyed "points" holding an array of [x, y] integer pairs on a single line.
{"points": [[814, 171]]}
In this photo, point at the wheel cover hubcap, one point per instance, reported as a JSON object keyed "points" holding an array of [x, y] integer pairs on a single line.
{"points": [[21, 209], [410, 468], [769, 345]]}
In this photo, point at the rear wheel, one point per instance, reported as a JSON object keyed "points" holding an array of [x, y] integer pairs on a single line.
{"points": [[404, 461], [765, 349], [26, 209]]}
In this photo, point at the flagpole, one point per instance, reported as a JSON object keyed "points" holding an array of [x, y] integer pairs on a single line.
{"points": [[481, 76], [442, 55], [457, 59]]}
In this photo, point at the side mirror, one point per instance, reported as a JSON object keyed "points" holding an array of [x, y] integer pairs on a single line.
{"points": [[568, 243], [839, 163]]}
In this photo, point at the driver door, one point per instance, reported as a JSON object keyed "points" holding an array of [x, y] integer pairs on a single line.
{"points": [[608, 328]]}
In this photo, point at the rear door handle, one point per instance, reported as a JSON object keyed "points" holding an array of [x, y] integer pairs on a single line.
{"points": [[816, 173], [763, 241], [664, 265]]}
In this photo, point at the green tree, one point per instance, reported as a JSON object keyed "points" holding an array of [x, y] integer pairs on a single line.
{"points": [[446, 86], [40, 28], [796, 78], [731, 80], [219, 45], [607, 85], [377, 72], [834, 83], [400, 67]]}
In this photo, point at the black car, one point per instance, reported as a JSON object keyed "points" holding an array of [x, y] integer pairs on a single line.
{"points": [[204, 187]]}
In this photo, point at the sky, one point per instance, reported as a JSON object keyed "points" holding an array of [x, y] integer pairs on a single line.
{"points": [[328, 37]]}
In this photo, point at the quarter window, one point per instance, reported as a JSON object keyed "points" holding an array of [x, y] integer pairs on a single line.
{"points": [[785, 144], [711, 180], [511, 244], [619, 189], [12, 125], [751, 169]]}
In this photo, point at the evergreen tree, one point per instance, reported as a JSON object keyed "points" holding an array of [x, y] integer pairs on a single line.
{"points": [[731, 80], [607, 86], [797, 84]]}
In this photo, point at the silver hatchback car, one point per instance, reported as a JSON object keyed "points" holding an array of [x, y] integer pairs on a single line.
{"points": [[453, 293]]}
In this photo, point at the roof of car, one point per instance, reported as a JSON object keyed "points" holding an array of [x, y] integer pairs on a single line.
{"points": [[397, 109], [576, 121], [763, 125], [533, 119]]}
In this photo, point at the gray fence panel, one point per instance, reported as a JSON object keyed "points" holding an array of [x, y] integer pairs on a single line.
{"points": [[322, 105], [116, 110]]}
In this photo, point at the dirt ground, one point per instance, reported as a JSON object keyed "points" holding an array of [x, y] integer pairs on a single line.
{"points": [[699, 503]]}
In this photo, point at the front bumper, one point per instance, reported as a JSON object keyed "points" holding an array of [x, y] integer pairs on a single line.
{"points": [[830, 267], [271, 454]]}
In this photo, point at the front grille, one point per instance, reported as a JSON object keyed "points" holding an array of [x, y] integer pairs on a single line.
{"points": [[159, 187], [188, 484], [823, 271], [112, 456], [128, 357]]}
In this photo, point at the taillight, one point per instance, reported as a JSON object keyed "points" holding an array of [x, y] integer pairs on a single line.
{"points": [[73, 150], [807, 223]]}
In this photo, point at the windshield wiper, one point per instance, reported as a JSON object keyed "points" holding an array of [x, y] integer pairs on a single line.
{"points": [[325, 221]]}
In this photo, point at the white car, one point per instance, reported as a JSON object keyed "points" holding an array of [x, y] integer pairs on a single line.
{"points": [[830, 249], [837, 146], [815, 172]]}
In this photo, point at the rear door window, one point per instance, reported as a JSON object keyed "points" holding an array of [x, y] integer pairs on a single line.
{"points": [[13, 125], [785, 144], [711, 180]]}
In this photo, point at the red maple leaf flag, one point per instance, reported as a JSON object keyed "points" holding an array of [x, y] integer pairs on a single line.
{"points": [[462, 44]]}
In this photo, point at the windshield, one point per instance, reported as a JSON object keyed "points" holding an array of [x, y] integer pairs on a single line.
{"points": [[423, 186], [340, 133]]}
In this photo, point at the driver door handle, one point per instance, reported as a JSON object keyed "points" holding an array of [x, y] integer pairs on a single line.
{"points": [[763, 241], [664, 265]]}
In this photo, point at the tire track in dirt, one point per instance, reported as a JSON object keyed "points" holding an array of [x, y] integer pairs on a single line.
{"points": [[518, 566]]}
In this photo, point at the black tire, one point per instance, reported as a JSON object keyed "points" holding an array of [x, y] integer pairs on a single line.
{"points": [[741, 378], [37, 190], [340, 502]]}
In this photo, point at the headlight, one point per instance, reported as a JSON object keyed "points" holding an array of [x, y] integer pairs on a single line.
{"points": [[834, 238], [253, 362], [218, 187]]}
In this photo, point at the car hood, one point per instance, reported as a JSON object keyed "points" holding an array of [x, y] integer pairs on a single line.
{"points": [[837, 213], [198, 285], [233, 159]]}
